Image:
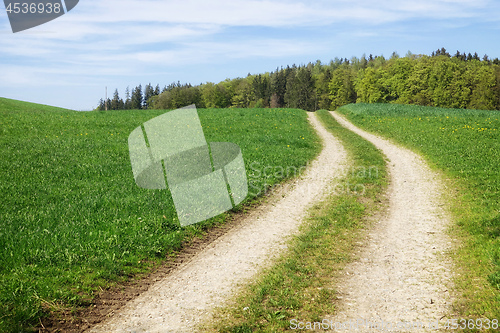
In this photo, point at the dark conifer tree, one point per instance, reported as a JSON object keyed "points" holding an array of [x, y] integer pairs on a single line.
{"points": [[364, 62], [127, 102], [278, 87], [102, 105], [116, 102], [148, 93], [136, 100]]}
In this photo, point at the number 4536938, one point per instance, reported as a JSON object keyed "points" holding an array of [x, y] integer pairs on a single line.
{"points": [[455, 324], [33, 8]]}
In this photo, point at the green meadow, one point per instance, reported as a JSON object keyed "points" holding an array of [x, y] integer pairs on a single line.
{"points": [[72, 219], [465, 146]]}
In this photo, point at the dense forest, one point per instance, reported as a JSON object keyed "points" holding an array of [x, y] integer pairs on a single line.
{"points": [[441, 79]]}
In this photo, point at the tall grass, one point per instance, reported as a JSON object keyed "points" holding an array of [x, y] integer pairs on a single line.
{"points": [[72, 219]]}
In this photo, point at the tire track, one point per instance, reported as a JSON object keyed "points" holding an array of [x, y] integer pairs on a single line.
{"points": [[186, 298], [402, 276]]}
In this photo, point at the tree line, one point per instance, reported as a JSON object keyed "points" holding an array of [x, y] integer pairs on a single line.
{"points": [[441, 79], [134, 100]]}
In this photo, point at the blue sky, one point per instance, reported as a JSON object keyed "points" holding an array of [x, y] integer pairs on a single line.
{"points": [[68, 62]]}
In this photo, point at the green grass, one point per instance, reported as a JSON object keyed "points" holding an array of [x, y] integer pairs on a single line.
{"points": [[301, 285], [465, 144], [72, 219]]}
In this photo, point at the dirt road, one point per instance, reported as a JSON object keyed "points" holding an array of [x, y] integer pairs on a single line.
{"points": [[186, 298], [402, 277]]}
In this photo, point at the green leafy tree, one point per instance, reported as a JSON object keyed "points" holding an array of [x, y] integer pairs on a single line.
{"points": [[418, 83], [446, 83], [178, 97], [496, 88], [483, 81], [216, 95], [342, 90], [322, 83], [369, 86], [395, 79], [243, 94]]}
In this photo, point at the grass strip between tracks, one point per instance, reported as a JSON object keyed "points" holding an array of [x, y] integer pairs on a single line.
{"points": [[301, 285]]}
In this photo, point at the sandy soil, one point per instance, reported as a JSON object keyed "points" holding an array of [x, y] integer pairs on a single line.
{"points": [[402, 277], [186, 297]]}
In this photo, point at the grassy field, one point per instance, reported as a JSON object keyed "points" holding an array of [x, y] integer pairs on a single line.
{"points": [[72, 219], [301, 285], [465, 144]]}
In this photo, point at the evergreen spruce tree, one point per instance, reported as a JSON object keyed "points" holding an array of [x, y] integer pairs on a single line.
{"points": [[148, 93], [127, 104], [116, 102], [278, 87], [101, 106], [136, 100]]}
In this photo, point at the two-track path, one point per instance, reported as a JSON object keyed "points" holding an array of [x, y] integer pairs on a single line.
{"points": [[187, 297], [401, 274], [401, 278]]}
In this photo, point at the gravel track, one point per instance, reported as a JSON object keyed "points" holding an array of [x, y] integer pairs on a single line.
{"points": [[402, 276], [187, 297]]}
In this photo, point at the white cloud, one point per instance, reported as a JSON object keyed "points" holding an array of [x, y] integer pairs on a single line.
{"points": [[114, 25], [220, 12], [210, 52], [273, 13]]}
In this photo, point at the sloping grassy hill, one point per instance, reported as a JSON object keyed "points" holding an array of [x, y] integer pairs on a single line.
{"points": [[72, 218], [465, 144]]}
